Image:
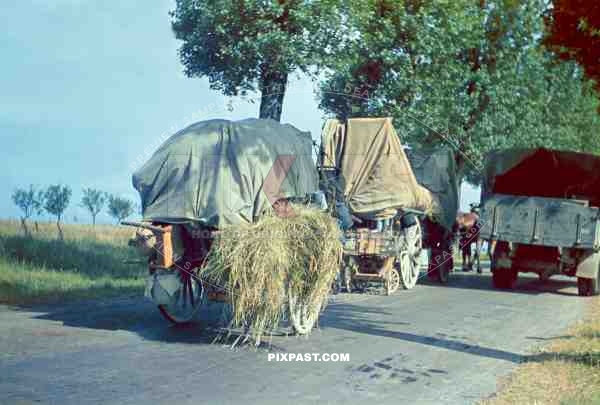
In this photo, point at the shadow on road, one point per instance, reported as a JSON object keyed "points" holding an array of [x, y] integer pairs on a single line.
{"points": [[136, 314], [357, 319], [132, 314], [528, 283]]}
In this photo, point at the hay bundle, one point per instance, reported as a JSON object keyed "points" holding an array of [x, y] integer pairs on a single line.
{"points": [[261, 264]]}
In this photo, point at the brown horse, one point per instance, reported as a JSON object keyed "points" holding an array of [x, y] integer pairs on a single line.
{"points": [[467, 226]]}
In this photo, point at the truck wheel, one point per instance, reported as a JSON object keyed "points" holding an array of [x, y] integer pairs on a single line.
{"points": [[587, 287], [505, 279], [501, 277]]}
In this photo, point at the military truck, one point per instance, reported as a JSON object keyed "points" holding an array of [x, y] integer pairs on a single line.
{"points": [[541, 208]]}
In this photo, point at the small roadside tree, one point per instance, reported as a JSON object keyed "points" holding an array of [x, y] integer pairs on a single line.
{"points": [[119, 208], [93, 200], [30, 202], [57, 199]]}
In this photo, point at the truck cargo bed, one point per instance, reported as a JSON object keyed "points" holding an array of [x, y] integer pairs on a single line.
{"points": [[541, 221]]}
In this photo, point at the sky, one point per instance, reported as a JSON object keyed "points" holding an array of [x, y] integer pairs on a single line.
{"points": [[88, 88]]}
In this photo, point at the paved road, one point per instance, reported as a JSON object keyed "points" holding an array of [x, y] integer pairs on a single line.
{"points": [[430, 345]]}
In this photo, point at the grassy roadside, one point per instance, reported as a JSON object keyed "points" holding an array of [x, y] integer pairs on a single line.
{"points": [[566, 371], [87, 264]]}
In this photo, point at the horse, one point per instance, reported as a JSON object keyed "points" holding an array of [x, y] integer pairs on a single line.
{"points": [[467, 227]]}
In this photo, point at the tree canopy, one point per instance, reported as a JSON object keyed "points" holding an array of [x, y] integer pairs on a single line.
{"points": [[93, 200], [574, 34], [119, 208], [56, 200], [30, 201], [472, 75], [245, 46]]}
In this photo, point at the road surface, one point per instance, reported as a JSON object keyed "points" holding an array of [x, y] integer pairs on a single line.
{"points": [[429, 345]]}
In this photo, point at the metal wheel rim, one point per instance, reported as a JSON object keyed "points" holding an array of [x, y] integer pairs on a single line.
{"points": [[302, 317], [185, 306]]}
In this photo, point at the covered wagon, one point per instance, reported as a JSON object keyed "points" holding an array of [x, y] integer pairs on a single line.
{"points": [[212, 175], [384, 208]]}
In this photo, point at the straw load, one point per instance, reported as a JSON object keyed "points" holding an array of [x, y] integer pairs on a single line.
{"points": [[275, 267]]}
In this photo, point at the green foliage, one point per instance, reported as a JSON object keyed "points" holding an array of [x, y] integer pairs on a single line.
{"points": [[119, 208], [56, 200], [470, 75], [93, 200], [574, 34], [29, 201], [243, 46]]}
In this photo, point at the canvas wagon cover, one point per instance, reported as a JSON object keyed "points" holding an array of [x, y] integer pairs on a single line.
{"points": [[374, 172], [543, 173], [214, 171], [435, 169]]}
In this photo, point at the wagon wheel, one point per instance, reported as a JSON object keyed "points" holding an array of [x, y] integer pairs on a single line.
{"points": [[409, 271], [347, 278], [409, 259], [187, 299], [392, 282], [303, 316]]}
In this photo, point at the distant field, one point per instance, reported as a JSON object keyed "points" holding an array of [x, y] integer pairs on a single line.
{"points": [[87, 264]]}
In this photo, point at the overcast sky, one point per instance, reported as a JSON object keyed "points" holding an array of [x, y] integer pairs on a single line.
{"points": [[87, 87]]}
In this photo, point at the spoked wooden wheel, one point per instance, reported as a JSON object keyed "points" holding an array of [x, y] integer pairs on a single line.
{"points": [[393, 281], [187, 300], [303, 316], [409, 259], [409, 271]]}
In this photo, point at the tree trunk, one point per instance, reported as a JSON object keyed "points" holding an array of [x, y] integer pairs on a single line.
{"points": [[272, 90], [93, 220], [60, 232], [24, 225]]}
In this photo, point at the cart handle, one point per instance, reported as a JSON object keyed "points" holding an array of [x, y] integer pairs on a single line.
{"points": [[146, 226]]}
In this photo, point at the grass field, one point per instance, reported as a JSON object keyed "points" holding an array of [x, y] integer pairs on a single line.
{"points": [[87, 264], [566, 371]]}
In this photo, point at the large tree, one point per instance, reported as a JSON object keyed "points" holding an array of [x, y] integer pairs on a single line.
{"points": [[245, 46], [469, 74]]}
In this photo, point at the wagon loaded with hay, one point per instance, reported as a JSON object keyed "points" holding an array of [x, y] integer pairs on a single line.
{"points": [[228, 216], [389, 215]]}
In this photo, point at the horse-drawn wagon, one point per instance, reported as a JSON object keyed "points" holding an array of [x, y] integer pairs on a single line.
{"points": [[213, 175], [541, 207], [389, 214]]}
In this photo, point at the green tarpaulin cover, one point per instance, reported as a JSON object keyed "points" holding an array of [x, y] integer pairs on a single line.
{"points": [[435, 169], [221, 172]]}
